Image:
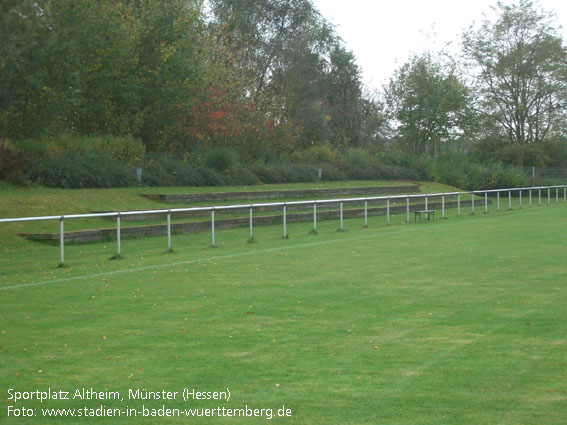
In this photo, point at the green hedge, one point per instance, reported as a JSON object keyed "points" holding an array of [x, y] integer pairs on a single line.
{"points": [[79, 162], [125, 149], [14, 163], [78, 171]]}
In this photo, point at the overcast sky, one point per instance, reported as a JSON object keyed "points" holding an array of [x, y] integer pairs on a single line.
{"points": [[383, 34]]}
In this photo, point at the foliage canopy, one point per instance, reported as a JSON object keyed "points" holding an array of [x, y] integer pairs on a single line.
{"points": [[266, 79]]}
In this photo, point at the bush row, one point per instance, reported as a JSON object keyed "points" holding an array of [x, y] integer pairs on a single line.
{"points": [[72, 162], [461, 172], [124, 149]]}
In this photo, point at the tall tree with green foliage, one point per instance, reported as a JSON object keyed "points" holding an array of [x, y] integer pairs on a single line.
{"points": [[345, 98], [70, 67], [295, 68], [21, 84], [97, 67], [283, 49], [169, 66], [430, 105], [520, 65], [266, 31]]}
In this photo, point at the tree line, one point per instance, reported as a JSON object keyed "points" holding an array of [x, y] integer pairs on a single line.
{"points": [[270, 78]]}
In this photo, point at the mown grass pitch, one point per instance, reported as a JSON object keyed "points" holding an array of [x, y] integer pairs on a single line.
{"points": [[461, 321]]}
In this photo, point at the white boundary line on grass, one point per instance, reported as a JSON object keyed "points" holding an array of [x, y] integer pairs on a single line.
{"points": [[240, 254]]}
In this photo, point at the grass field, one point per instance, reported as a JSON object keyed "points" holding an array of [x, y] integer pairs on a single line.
{"points": [[460, 321]]}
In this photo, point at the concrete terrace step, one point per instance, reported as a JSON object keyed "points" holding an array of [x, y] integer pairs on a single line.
{"points": [[189, 198], [94, 235]]}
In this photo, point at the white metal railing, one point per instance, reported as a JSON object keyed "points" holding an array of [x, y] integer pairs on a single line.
{"points": [[314, 203]]}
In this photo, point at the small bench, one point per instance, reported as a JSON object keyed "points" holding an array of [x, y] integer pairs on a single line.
{"points": [[427, 213]]}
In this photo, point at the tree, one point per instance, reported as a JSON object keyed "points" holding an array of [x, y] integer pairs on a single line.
{"points": [[429, 103], [282, 49], [375, 124], [520, 67], [22, 38], [88, 68], [266, 31], [97, 67], [169, 67], [345, 98], [294, 70], [302, 87]]}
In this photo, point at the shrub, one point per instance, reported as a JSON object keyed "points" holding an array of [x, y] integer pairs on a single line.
{"points": [[221, 159], [296, 173], [125, 149], [507, 176], [285, 172], [165, 170], [357, 164], [75, 171], [391, 172], [14, 164], [266, 174], [316, 155], [475, 176], [452, 174], [242, 175], [213, 178], [333, 173], [557, 153]]}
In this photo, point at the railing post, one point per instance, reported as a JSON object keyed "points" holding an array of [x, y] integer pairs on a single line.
{"points": [[407, 210], [168, 230], [548, 196], [61, 242], [118, 236], [497, 201], [284, 221], [314, 231], [426, 203], [388, 211], [458, 204], [472, 203], [443, 206], [556, 195], [486, 202], [213, 226], [341, 228], [530, 198], [520, 193], [539, 196], [251, 238], [366, 213], [509, 199]]}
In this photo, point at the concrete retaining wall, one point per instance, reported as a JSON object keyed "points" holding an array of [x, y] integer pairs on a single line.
{"points": [[189, 198], [236, 211]]}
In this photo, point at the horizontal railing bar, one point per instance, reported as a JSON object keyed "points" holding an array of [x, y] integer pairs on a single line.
{"points": [[272, 204], [109, 214], [20, 219]]}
